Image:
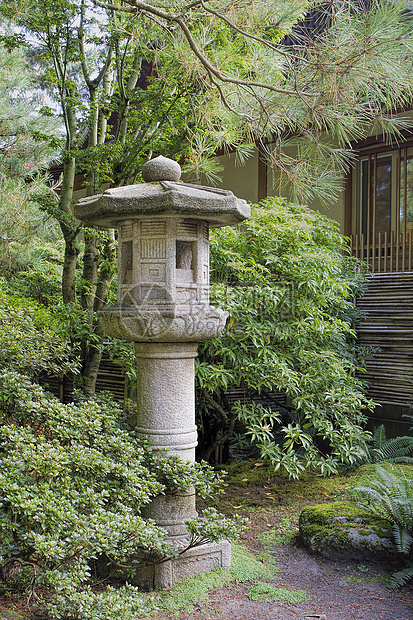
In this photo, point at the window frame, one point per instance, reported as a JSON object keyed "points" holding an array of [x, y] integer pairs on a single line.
{"points": [[372, 153]]}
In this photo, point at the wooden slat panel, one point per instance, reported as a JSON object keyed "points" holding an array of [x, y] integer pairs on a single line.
{"points": [[110, 378], [388, 326], [387, 253]]}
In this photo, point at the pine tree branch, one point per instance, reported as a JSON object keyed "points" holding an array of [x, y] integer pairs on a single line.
{"points": [[248, 35], [142, 7]]}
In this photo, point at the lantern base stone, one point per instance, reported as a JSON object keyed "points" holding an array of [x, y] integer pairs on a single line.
{"points": [[193, 562]]}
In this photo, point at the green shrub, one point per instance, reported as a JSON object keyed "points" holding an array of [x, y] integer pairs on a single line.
{"points": [[32, 338], [289, 289], [72, 484]]}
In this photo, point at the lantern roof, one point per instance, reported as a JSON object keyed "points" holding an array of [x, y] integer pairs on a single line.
{"points": [[163, 195]]}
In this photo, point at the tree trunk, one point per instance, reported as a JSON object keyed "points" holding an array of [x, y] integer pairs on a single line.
{"points": [[90, 269], [93, 353], [91, 366], [70, 232], [106, 271]]}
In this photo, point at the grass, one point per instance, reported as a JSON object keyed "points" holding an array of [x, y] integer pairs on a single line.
{"points": [[186, 593], [267, 592]]}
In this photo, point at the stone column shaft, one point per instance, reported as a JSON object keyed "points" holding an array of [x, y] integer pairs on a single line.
{"points": [[166, 415], [166, 396]]}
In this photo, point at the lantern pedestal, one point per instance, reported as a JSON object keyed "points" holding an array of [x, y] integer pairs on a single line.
{"points": [[165, 385]]}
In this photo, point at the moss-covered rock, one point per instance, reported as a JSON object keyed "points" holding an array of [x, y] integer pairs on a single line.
{"points": [[345, 530]]}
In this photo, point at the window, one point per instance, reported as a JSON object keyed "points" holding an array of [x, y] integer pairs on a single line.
{"points": [[406, 194], [383, 208], [385, 193]]}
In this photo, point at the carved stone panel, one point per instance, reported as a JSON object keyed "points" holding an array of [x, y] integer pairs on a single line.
{"points": [[186, 295], [186, 228], [153, 272], [153, 248]]}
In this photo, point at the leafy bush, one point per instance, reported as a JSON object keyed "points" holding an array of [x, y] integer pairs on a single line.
{"points": [[289, 287], [32, 338], [72, 484]]}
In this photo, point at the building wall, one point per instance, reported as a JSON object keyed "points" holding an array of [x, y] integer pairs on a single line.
{"points": [[241, 180], [334, 210], [244, 182]]}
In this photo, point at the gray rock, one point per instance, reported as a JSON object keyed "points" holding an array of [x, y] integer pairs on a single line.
{"points": [[344, 530]]}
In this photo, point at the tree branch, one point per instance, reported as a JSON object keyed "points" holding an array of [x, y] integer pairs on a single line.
{"points": [[142, 7], [221, 76], [81, 41], [246, 34], [218, 408]]}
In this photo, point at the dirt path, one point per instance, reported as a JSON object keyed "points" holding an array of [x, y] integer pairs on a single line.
{"points": [[338, 591]]}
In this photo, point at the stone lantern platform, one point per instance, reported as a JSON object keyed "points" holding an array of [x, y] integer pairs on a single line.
{"points": [[163, 307]]}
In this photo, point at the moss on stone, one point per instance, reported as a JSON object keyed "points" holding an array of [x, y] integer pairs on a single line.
{"points": [[345, 526]]}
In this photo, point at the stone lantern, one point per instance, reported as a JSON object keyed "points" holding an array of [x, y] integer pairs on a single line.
{"points": [[163, 307]]}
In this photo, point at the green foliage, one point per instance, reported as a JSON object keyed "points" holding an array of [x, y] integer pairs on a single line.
{"points": [[33, 340], [29, 235], [185, 80], [390, 496], [177, 475], [30, 243], [288, 286], [73, 481], [268, 592], [396, 450], [28, 138], [224, 76], [124, 603], [214, 527]]}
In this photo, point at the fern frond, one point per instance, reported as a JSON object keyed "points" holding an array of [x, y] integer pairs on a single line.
{"points": [[397, 448], [391, 497], [379, 437], [403, 538], [407, 460], [401, 577], [389, 450]]}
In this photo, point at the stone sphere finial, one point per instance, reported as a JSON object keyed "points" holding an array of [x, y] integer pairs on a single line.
{"points": [[161, 169]]}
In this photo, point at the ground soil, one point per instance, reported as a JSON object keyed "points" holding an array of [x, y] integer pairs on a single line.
{"points": [[338, 592], [339, 589]]}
